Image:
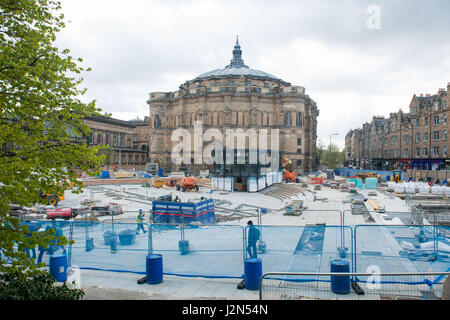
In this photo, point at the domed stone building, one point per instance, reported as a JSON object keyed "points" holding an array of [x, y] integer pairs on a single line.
{"points": [[235, 97]]}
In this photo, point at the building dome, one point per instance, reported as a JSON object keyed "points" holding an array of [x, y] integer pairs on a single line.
{"points": [[237, 68], [225, 72]]}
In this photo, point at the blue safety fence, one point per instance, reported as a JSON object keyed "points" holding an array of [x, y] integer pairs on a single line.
{"points": [[200, 250], [60, 228], [183, 212], [348, 172], [301, 249], [112, 246], [381, 248], [220, 250]]}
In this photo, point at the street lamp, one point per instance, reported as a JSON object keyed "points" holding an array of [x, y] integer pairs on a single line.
{"points": [[334, 134]]}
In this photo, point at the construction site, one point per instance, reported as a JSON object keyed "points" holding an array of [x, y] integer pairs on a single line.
{"points": [[306, 224]]}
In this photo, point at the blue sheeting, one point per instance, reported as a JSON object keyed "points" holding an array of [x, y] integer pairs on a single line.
{"points": [[311, 239], [348, 172]]}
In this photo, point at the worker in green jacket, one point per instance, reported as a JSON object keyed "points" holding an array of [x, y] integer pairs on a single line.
{"points": [[140, 220]]}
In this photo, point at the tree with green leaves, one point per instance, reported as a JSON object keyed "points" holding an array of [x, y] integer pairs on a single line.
{"points": [[40, 118], [332, 157]]}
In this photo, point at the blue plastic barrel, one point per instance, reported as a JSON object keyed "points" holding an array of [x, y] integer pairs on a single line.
{"points": [[340, 284], [58, 267], [105, 174], [252, 273], [154, 268]]}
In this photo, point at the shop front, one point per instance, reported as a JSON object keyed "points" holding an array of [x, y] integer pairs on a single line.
{"points": [[404, 164], [377, 164], [430, 164]]}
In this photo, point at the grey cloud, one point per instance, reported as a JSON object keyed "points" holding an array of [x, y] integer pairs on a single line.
{"points": [[133, 55]]}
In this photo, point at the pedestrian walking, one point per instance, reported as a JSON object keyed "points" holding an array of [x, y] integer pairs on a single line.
{"points": [[140, 220], [253, 237]]}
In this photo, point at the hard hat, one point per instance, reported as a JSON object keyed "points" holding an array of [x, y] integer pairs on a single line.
{"points": [[140, 210]]}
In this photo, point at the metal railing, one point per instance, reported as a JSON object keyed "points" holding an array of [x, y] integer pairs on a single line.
{"points": [[351, 286], [436, 211], [220, 250]]}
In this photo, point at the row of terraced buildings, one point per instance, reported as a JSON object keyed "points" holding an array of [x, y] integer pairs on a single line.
{"points": [[414, 140]]}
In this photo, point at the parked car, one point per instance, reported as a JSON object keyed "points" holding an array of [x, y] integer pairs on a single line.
{"points": [[334, 184]]}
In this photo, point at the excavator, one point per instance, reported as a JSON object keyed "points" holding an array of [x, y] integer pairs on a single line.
{"points": [[396, 176], [52, 199], [188, 183], [288, 174]]}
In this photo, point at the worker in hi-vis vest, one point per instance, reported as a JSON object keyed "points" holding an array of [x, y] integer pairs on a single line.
{"points": [[140, 220]]}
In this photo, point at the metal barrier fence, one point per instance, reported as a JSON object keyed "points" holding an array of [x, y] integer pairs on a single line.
{"points": [[300, 248], [348, 172], [400, 248], [435, 210], [220, 250], [369, 286]]}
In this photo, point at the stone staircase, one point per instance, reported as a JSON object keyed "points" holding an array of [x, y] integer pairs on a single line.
{"points": [[283, 191]]}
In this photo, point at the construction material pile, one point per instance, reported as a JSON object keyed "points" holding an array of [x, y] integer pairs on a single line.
{"points": [[417, 187]]}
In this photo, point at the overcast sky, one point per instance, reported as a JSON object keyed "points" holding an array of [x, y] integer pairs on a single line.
{"points": [[351, 63]]}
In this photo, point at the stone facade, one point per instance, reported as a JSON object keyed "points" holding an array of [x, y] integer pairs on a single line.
{"points": [[418, 139], [235, 97], [127, 141]]}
